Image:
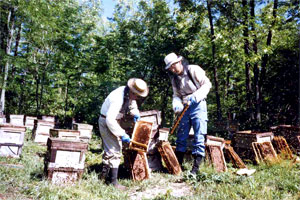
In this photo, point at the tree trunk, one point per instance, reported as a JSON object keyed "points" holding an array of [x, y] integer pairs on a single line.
{"points": [[247, 64], [215, 69], [265, 57], [255, 67], [10, 26]]}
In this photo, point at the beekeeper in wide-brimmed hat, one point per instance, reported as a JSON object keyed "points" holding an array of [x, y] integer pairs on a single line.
{"points": [[119, 103], [190, 86]]}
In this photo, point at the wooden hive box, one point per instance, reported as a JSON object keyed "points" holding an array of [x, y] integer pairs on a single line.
{"points": [[264, 151], [232, 156], [214, 152], [163, 134], [137, 163], [141, 136], [242, 142], [17, 120], [11, 140], [153, 116], [65, 134], [41, 131], [64, 161], [85, 130], [29, 122], [291, 134], [167, 153]]}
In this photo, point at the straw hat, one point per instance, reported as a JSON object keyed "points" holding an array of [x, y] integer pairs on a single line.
{"points": [[138, 86], [171, 58]]}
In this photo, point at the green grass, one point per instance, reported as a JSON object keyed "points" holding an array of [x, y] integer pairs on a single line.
{"points": [[276, 181]]}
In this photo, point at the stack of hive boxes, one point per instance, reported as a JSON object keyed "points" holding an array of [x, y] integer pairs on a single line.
{"points": [[242, 142], [64, 161], [65, 158]]}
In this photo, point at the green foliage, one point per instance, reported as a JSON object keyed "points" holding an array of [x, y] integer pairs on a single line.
{"points": [[68, 59]]}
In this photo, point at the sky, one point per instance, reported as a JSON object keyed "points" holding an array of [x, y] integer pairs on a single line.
{"points": [[108, 8]]}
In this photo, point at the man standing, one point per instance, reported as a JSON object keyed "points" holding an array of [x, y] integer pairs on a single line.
{"points": [[190, 86], [118, 104]]}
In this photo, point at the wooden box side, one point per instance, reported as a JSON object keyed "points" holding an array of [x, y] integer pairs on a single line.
{"points": [[169, 157], [216, 157]]}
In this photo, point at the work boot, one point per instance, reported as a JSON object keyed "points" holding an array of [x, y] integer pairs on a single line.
{"points": [[197, 161], [105, 172], [114, 179], [180, 156]]}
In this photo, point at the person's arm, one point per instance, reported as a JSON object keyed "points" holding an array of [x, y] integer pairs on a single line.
{"points": [[202, 81], [176, 102], [111, 118]]}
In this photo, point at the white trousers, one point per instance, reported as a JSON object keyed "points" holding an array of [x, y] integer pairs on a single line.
{"points": [[112, 145]]}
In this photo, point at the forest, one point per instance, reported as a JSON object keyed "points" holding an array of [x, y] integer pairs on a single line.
{"points": [[62, 58]]}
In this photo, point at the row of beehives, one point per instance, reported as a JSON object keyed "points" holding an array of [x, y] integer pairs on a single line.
{"points": [[254, 146], [65, 156]]}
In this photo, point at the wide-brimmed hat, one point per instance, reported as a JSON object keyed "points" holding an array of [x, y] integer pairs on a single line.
{"points": [[171, 58], [138, 86]]}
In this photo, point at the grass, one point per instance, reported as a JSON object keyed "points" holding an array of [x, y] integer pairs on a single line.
{"points": [[280, 180]]}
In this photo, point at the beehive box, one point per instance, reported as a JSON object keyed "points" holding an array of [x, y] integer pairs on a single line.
{"points": [[2, 119], [17, 120], [242, 142], [137, 163], [281, 147], [232, 156], [65, 134], [167, 153], [214, 151], [291, 134], [212, 140], [141, 136], [29, 122], [48, 118], [163, 134], [264, 151], [86, 130], [153, 116], [64, 161], [11, 140], [41, 131], [216, 157]]}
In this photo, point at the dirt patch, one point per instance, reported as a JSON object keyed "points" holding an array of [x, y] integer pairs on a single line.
{"points": [[163, 188]]}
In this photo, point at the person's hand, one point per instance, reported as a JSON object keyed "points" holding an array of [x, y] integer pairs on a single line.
{"points": [[136, 118], [178, 109], [192, 99], [125, 138]]}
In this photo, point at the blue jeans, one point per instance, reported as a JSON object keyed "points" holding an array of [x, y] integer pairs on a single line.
{"points": [[196, 117]]}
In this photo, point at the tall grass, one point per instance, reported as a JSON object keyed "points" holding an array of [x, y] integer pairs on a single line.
{"points": [[26, 180]]}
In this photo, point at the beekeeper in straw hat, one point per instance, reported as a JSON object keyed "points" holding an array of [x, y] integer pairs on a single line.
{"points": [[118, 104]]}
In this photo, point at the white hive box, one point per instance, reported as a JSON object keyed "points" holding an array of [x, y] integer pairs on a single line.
{"points": [[17, 120], [85, 130], [29, 122], [65, 134], [11, 140], [41, 131]]}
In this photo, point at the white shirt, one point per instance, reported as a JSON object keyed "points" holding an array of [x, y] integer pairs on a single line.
{"points": [[111, 108]]}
